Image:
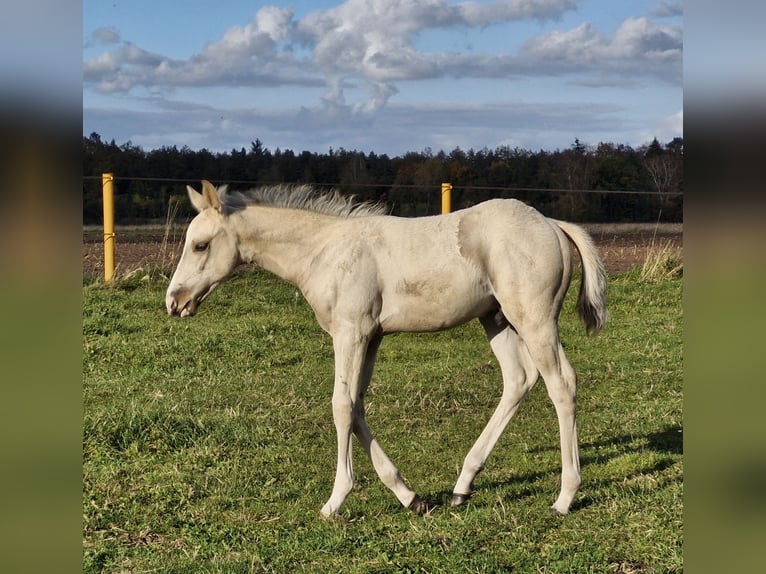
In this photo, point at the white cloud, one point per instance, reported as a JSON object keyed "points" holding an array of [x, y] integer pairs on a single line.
{"points": [[106, 35], [482, 14], [642, 39], [379, 95], [373, 40], [274, 21], [363, 40], [676, 122], [664, 129], [441, 126], [363, 51], [244, 55], [672, 126], [668, 9], [119, 70], [258, 38], [638, 46]]}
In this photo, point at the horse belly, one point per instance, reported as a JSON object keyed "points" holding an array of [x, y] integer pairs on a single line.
{"points": [[433, 303]]}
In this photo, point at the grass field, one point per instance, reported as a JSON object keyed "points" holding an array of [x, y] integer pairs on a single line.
{"points": [[209, 444]]}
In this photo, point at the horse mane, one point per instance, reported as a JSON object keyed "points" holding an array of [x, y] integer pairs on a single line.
{"points": [[302, 197]]}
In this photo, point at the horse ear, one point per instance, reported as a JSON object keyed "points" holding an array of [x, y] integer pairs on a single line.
{"points": [[198, 201], [210, 194], [207, 198]]}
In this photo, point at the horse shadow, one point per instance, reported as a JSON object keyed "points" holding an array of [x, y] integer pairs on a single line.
{"points": [[667, 443]]}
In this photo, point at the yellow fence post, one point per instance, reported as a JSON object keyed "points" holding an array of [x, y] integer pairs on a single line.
{"points": [[446, 197], [107, 183]]}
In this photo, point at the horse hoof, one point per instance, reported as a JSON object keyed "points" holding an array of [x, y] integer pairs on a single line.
{"points": [[419, 506], [556, 512], [459, 499]]}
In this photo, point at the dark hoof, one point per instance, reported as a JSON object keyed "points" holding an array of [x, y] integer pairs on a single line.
{"points": [[459, 499], [555, 512], [419, 506]]}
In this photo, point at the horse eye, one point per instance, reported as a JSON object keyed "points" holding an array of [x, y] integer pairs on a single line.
{"points": [[199, 247]]}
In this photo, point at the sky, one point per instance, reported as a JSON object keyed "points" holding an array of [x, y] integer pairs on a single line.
{"points": [[382, 76]]}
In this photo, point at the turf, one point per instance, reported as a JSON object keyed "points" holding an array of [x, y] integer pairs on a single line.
{"points": [[209, 445]]}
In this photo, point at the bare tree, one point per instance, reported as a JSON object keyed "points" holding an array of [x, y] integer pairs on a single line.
{"points": [[663, 167]]}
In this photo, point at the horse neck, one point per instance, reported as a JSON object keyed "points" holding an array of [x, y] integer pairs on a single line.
{"points": [[279, 240]]}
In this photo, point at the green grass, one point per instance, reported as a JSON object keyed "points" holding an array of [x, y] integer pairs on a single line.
{"points": [[209, 444]]}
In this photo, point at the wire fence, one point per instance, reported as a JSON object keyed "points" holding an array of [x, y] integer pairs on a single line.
{"points": [[151, 199]]}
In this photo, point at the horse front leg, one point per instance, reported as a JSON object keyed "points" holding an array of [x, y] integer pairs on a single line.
{"points": [[354, 361], [386, 470], [352, 375], [349, 359]]}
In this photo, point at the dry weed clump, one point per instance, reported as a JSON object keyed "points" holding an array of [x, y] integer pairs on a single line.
{"points": [[663, 261]]}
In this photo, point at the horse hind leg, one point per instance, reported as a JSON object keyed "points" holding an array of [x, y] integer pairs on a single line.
{"points": [[560, 381], [519, 376]]}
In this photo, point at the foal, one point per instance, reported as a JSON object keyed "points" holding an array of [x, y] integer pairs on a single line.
{"points": [[366, 274]]}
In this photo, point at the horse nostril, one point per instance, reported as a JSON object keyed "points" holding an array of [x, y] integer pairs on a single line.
{"points": [[171, 304]]}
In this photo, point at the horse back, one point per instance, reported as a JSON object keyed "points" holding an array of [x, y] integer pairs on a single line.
{"points": [[437, 272]]}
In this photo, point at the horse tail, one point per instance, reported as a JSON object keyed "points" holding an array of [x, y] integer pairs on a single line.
{"points": [[591, 302]]}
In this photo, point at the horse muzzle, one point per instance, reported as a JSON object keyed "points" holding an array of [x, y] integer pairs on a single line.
{"points": [[182, 303]]}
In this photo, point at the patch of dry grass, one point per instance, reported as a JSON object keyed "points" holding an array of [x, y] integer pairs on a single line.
{"points": [[663, 261]]}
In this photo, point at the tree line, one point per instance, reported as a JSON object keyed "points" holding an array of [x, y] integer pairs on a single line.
{"points": [[580, 183]]}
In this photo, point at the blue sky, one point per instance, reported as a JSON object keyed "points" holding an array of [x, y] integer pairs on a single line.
{"points": [[388, 76]]}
